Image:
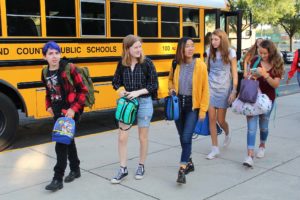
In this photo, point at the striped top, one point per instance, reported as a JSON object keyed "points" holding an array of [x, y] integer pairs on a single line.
{"points": [[186, 78]]}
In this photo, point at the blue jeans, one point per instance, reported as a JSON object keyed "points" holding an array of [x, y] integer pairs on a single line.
{"points": [[145, 112], [252, 127], [185, 126]]}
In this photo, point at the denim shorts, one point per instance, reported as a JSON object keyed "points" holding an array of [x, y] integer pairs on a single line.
{"points": [[145, 112]]}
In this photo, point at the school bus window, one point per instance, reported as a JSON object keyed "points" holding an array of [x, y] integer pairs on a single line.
{"points": [[170, 21], [92, 17], [121, 15], [190, 22], [147, 20], [60, 18], [210, 22], [23, 18]]}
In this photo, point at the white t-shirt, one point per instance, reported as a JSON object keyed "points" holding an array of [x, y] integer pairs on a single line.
{"points": [[232, 53]]}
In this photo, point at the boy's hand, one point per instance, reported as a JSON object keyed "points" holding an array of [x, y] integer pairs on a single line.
{"points": [[49, 110], [70, 113]]}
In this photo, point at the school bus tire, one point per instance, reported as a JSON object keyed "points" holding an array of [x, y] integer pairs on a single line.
{"points": [[9, 121]]}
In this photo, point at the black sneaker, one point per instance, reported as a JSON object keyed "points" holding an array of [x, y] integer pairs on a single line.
{"points": [[139, 174], [122, 173], [181, 176], [72, 176], [189, 167], [54, 185]]}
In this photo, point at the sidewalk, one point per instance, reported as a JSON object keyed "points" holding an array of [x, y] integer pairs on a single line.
{"points": [[25, 172]]}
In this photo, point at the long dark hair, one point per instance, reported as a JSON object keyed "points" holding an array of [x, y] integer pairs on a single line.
{"points": [[275, 58], [180, 57]]}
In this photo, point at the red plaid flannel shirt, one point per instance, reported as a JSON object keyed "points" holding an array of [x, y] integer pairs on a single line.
{"points": [[75, 95]]}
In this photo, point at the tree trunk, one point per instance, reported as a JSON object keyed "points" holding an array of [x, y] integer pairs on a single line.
{"points": [[291, 43]]}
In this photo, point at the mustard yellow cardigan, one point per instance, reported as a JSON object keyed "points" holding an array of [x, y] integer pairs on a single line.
{"points": [[200, 93]]}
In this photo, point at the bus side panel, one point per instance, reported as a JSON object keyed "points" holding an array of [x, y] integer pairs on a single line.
{"points": [[41, 103], [21, 74]]}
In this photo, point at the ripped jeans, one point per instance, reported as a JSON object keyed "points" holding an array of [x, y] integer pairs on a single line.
{"points": [[252, 122]]}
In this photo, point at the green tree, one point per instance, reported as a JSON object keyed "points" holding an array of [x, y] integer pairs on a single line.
{"points": [[270, 11], [291, 22], [240, 5], [275, 12]]}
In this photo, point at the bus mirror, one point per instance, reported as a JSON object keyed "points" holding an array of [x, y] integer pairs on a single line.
{"points": [[248, 33]]}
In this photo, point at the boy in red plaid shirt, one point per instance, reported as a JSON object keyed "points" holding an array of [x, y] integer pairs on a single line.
{"points": [[61, 94]]}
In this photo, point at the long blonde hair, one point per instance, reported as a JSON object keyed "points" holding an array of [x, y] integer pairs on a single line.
{"points": [[274, 58], [223, 48], [128, 41]]}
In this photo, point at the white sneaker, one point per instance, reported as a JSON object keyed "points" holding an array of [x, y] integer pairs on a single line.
{"points": [[248, 162], [213, 154], [260, 153], [227, 140]]}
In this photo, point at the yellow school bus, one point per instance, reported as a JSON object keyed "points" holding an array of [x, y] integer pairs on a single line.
{"points": [[90, 33]]}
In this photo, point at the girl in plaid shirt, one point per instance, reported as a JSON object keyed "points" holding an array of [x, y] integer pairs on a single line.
{"points": [[131, 81]]}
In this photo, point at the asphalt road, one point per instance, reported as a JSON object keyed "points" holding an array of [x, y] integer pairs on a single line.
{"points": [[33, 132]]}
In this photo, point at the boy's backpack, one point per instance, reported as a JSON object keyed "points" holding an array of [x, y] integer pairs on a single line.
{"points": [[87, 81], [63, 130], [172, 111], [126, 111]]}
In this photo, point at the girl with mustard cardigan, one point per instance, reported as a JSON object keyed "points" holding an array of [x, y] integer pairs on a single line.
{"points": [[189, 81]]}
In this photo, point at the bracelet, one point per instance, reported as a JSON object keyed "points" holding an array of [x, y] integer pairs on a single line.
{"points": [[233, 91]]}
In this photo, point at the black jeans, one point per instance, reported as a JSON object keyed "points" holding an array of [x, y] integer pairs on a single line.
{"points": [[64, 152]]}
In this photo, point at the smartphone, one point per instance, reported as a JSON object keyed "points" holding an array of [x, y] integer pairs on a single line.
{"points": [[254, 72]]}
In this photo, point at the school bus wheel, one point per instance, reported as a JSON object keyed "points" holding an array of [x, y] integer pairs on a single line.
{"points": [[9, 121]]}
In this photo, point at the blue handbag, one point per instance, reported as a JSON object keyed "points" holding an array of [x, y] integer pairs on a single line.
{"points": [[63, 130], [172, 107], [202, 127]]}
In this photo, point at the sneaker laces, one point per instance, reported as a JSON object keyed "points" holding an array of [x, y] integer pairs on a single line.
{"points": [[140, 170], [120, 174]]}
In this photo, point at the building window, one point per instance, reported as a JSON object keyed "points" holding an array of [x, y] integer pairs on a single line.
{"points": [[92, 17], [147, 21], [23, 18], [121, 15], [191, 22], [170, 21], [60, 18]]}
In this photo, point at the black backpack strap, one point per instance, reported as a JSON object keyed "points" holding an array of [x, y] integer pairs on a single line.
{"points": [[174, 65], [145, 69], [44, 73]]}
